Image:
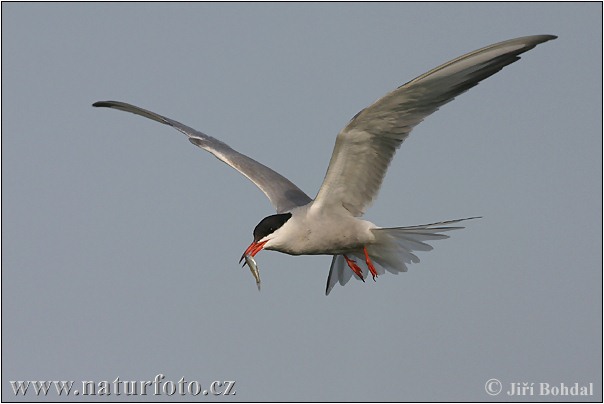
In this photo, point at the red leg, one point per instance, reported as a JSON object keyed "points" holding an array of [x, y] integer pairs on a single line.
{"points": [[355, 268], [370, 264]]}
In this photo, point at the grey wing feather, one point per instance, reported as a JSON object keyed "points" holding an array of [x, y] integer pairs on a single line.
{"points": [[365, 147], [281, 192]]}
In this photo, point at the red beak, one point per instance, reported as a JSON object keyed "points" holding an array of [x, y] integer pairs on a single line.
{"points": [[253, 249]]}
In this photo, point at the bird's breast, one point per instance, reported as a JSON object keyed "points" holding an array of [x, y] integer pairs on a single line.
{"points": [[322, 235]]}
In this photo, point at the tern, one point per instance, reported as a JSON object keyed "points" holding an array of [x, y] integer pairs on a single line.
{"points": [[331, 224]]}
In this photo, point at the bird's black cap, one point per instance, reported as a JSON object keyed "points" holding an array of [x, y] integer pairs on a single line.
{"points": [[269, 224]]}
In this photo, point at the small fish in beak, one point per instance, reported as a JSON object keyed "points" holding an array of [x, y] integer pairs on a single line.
{"points": [[251, 262]]}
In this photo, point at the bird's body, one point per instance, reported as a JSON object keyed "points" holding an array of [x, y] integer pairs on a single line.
{"points": [[314, 231], [330, 224]]}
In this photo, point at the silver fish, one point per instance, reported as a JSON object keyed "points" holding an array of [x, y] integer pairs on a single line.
{"points": [[251, 262]]}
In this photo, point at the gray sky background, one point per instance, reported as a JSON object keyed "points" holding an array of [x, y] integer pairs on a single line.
{"points": [[121, 240]]}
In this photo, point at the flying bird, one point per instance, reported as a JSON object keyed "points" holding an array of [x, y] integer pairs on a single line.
{"points": [[331, 224]]}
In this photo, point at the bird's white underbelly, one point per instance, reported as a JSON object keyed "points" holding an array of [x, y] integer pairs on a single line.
{"points": [[323, 235]]}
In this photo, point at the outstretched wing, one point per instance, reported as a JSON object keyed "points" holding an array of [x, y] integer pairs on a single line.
{"points": [[281, 192], [365, 147]]}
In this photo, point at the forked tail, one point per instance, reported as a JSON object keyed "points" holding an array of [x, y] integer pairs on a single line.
{"points": [[392, 251]]}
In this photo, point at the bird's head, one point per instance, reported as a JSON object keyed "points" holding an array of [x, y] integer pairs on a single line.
{"points": [[264, 230]]}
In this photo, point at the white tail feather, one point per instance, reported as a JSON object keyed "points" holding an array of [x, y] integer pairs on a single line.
{"points": [[392, 250]]}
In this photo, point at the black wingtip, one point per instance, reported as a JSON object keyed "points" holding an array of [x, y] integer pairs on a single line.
{"points": [[102, 104]]}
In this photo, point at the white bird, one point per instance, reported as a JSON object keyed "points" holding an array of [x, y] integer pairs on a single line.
{"points": [[330, 224]]}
